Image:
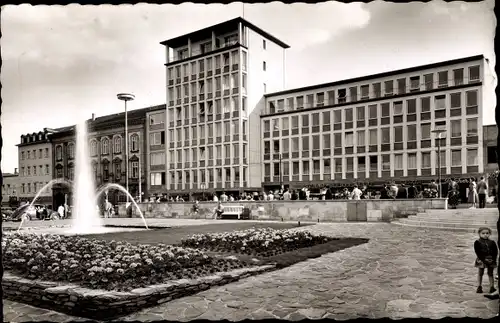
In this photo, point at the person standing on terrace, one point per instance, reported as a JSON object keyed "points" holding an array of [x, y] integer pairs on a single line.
{"points": [[223, 197]]}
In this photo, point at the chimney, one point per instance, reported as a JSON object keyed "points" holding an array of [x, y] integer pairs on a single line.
{"points": [[93, 116], [15, 171]]}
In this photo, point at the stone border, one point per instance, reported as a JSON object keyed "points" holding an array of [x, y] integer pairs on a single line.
{"points": [[104, 305]]}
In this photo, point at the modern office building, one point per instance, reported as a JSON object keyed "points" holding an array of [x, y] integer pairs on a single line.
{"points": [[490, 158], [107, 152], [216, 79], [35, 166], [379, 128]]}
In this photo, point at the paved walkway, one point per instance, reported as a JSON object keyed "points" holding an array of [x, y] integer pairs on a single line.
{"points": [[402, 272]]}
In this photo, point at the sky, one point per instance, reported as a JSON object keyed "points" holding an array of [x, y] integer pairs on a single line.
{"points": [[60, 64]]}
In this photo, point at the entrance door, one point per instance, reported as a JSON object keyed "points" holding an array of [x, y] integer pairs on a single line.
{"points": [[356, 212]]}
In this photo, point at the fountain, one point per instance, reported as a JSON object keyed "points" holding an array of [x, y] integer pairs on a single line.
{"points": [[85, 219]]}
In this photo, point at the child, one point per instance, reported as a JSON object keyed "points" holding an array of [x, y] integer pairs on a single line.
{"points": [[486, 252]]}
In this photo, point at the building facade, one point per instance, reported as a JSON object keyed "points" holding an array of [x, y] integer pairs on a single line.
{"points": [[107, 154], [490, 158], [35, 166], [216, 78], [378, 128], [10, 188]]}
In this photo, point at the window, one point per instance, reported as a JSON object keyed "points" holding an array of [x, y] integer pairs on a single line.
{"points": [[377, 89], [315, 119], [327, 167], [372, 136], [472, 157], [348, 115], [46, 153], [309, 101], [47, 172], [411, 106], [372, 111], [22, 155], [305, 167], [374, 163], [353, 93], [361, 138], [285, 145], [337, 116], [429, 81], [426, 160], [40, 153], [456, 158], [117, 145], [29, 154], [443, 79], [320, 99], [491, 155], [398, 134], [157, 158], [305, 143], [458, 76], [471, 127], [456, 128], [412, 161], [34, 170], [342, 93], [415, 83], [388, 87], [412, 132], [305, 120], [440, 102], [156, 138], [455, 100], [71, 151], [58, 153], [327, 141], [331, 97], [365, 91], [265, 88], [105, 146], [402, 86], [474, 73], [326, 117], [398, 108], [349, 139], [158, 178], [386, 135], [398, 161], [264, 65], [425, 104], [426, 131], [134, 141], [350, 164], [295, 144], [360, 113], [337, 140], [471, 98], [385, 109], [300, 102], [135, 169]]}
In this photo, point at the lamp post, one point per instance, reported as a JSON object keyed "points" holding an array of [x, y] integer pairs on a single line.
{"points": [[126, 97], [438, 133]]}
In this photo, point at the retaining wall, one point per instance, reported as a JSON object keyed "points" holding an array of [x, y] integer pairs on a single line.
{"points": [[322, 210], [102, 304]]}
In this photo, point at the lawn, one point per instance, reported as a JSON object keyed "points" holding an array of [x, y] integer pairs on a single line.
{"points": [[173, 236]]}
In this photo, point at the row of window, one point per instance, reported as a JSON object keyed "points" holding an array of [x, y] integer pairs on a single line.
{"points": [[207, 87], [117, 171], [27, 188], [217, 129], [383, 110], [358, 138], [25, 139], [8, 190], [117, 145], [32, 170], [207, 64], [31, 154], [387, 162], [202, 153], [203, 176], [367, 91], [208, 109]]}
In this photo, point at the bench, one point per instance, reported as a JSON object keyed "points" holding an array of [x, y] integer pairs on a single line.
{"points": [[233, 210]]}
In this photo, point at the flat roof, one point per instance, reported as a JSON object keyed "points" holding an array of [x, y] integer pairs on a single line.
{"points": [[378, 75], [207, 33]]}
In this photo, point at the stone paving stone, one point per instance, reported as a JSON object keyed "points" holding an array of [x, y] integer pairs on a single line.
{"points": [[402, 272]]}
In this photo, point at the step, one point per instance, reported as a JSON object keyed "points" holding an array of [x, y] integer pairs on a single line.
{"points": [[456, 223], [463, 211], [455, 217], [423, 226], [446, 224], [465, 221]]}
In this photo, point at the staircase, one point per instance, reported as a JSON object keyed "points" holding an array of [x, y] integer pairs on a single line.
{"points": [[454, 219]]}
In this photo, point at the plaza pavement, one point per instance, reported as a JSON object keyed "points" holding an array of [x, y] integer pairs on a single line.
{"points": [[402, 272]]}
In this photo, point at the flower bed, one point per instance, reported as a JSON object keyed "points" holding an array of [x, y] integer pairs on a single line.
{"points": [[105, 265], [262, 242]]}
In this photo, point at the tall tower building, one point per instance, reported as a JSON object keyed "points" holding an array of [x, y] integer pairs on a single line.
{"points": [[216, 79]]}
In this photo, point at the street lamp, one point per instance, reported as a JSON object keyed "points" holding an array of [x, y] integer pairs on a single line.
{"points": [[438, 133], [126, 97]]}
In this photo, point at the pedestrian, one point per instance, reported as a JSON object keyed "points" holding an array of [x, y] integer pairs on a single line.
{"points": [[473, 197], [482, 192], [453, 194], [287, 196], [223, 197], [412, 191], [486, 251], [356, 193], [218, 211]]}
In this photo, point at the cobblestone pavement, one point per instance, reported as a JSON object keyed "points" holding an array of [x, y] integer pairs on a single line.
{"points": [[401, 272]]}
